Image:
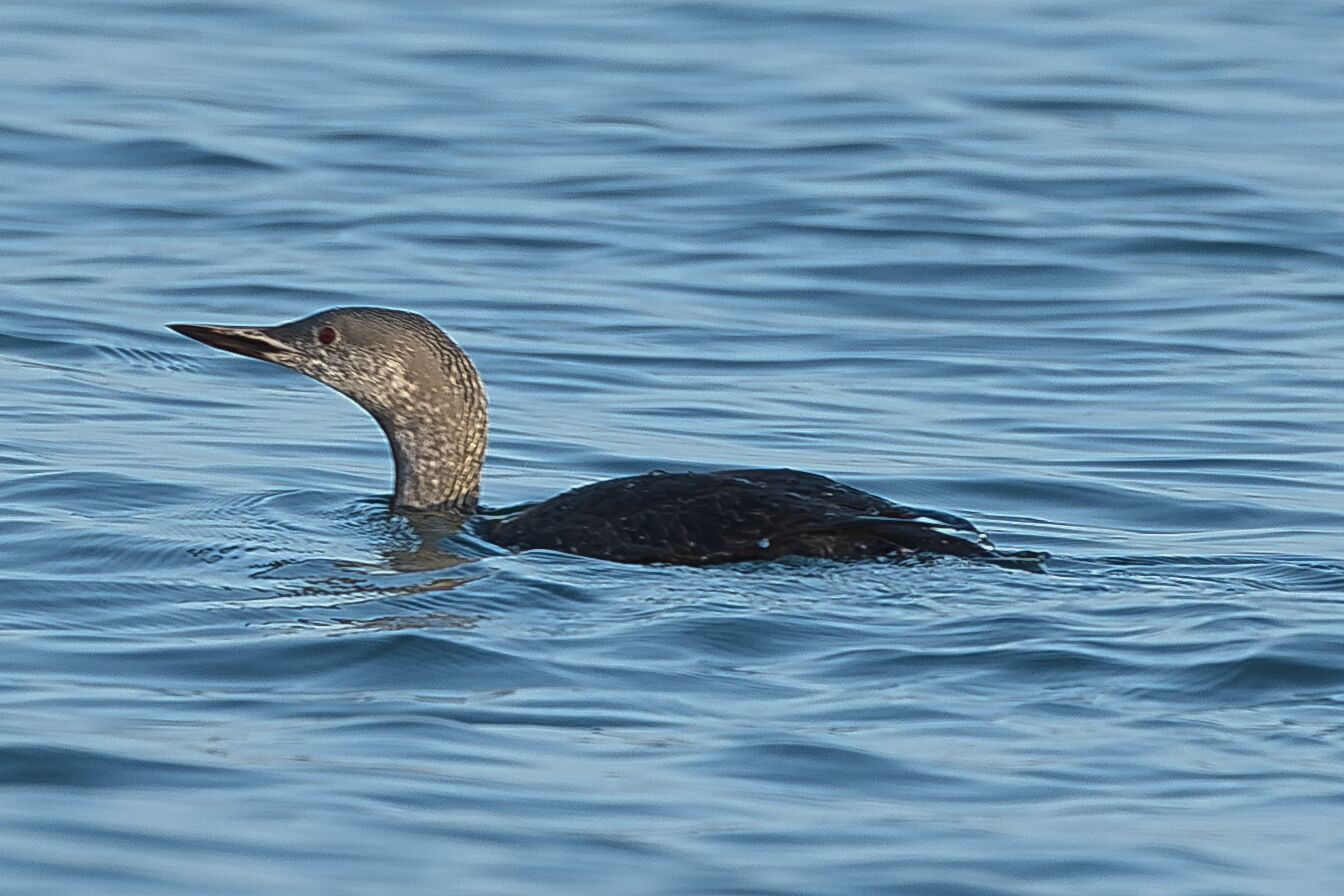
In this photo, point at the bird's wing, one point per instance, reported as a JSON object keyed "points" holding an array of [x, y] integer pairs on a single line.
{"points": [[730, 514]]}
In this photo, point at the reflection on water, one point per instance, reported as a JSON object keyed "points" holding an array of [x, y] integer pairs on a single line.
{"points": [[1071, 272]]}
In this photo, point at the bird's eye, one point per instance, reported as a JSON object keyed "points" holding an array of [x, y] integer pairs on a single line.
{"points": [[326, 335]]}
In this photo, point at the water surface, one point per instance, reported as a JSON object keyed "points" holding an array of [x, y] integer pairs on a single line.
{"points": [[1072, 272]]}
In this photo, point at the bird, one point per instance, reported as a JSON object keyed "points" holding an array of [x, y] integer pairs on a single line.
{"points": [[428, 398]]}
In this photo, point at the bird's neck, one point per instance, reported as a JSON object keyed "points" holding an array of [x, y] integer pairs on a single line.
{"points": [[439, 449]]}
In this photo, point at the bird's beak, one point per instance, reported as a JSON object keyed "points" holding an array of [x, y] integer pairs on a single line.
{"points": [[251, 342]]}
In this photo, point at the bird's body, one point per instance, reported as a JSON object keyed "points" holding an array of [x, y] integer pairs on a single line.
{"points": [[730, 515], [427, 396]]}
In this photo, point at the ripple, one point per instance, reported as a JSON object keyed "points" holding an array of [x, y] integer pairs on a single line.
{"points": [[823, 766], [166, 153], [1292, 667], [42, 765], [36, 147]]}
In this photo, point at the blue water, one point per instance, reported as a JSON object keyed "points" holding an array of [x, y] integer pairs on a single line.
{"points": [[1073, 270]]}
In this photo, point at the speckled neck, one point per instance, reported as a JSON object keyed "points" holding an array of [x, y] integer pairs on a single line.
{"points": [[438, 440], [421, 388]]}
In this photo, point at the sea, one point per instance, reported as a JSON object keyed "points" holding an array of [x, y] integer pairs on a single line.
{"points": [[1072, 270]]}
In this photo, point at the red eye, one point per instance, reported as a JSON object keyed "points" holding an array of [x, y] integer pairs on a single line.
{"points": [[326, 335]]}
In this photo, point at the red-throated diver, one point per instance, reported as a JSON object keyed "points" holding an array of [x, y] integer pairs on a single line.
{"points": [[428, 398]]}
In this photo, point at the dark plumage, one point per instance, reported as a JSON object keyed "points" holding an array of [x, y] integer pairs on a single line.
{"points": [[730, 515], [427, 396]]}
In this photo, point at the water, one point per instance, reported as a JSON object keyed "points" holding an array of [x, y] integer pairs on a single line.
{"points": [[1072, 272]]}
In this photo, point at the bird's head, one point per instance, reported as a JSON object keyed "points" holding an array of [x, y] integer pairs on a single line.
{"points": [[390, 362]]}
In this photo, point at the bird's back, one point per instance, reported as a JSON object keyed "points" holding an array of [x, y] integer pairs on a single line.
{"points": [[730, 515]]}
